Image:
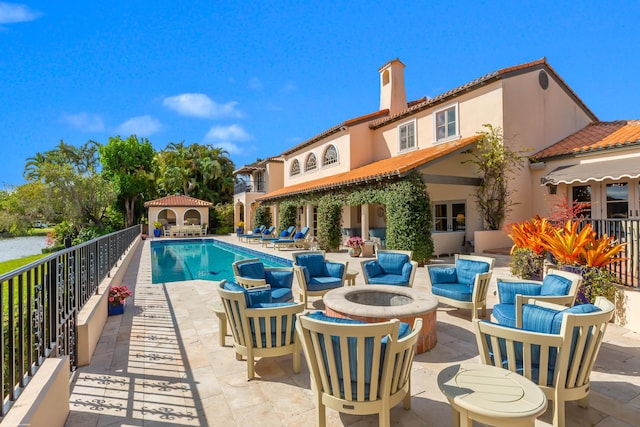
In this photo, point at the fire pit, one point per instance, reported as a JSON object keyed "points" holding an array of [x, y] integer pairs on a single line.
{"points": [[378, 303]]}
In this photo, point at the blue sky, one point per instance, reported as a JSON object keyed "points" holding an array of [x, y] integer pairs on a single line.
{"points": [[258, 77]]}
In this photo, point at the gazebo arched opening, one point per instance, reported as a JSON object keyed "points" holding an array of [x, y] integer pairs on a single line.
{"points": [[192, 217], [167, 217]]}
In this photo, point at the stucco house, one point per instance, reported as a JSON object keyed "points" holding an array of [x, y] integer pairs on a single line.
{"points": [[530, 102]]}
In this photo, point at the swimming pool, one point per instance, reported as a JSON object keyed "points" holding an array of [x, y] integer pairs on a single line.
{"points": [[204, 259]]}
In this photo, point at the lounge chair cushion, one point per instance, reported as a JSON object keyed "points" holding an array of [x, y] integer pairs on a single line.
{"points": [[284, 233], [392, 263], [252, 296], [507, 291], [279, 279], [505, 314], [299, 235], [443, 275], [466, 270], [555, 285], [281, 294], [456, 291], [252, 270], [322, 283], [313, 262]]}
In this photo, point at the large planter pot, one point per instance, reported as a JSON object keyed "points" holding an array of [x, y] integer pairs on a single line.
{"points": [[116, 309], [355, 252], [156, 232], [577, 269]]}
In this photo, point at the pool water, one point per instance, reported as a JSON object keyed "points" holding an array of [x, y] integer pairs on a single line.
{"points": [[204, 259]]}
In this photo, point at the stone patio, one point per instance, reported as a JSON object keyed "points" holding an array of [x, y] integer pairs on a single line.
{"points": [[160, 364]]}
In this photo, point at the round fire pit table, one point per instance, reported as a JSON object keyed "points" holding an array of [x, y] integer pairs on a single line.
{"points": [[379, 303]]}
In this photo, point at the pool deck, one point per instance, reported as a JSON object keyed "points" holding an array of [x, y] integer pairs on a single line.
{"points": [[160, 364]]}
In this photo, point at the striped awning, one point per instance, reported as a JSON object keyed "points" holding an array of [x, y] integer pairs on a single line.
{"points": [[594, 172]]}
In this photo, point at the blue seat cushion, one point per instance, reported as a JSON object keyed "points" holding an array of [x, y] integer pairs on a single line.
{"points": [[323, 283], [466, 270], [505, 314], [284, 233], [313, 262], [251, 270], [252, 296], [298, 235], [372, 269], [456, 291], [333, 269], [392, 263], [555, 285], [507, 291], [281, 294], [388, 279], [443, 275], [278, 278]]}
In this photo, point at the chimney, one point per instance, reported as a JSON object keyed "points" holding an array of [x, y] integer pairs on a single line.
{"points": [[392, 93]]}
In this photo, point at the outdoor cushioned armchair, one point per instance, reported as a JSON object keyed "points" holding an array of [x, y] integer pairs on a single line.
{"points": [[358, 368], [260, 328], [251, 273], [463, 284], [390, 268], [555, 347], [558, 287], [315, 275]]}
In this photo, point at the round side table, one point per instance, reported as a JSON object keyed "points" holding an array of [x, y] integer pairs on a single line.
{"points": [[491, 395]]}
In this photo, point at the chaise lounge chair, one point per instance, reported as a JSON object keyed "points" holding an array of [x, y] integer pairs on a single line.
{"points": [[257, 230], [284, 234], [267, 232], [298, 240]]}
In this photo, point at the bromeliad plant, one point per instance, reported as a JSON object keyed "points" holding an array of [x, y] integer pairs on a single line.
{"points": [[528, 252], [118, 294]]}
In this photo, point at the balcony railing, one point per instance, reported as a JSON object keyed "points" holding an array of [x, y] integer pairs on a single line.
{"points": [[250, 187], [624, 231], [40, 304]]}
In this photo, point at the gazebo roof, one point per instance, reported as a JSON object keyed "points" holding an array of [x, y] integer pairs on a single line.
{"points": [[178, 200]]}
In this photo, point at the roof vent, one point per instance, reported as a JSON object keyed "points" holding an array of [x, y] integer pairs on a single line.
{"points": [[543, 79]]}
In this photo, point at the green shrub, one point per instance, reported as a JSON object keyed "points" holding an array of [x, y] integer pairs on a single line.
{"points": [[526, 264], [287, 216], [263, 216], [329, 223]]}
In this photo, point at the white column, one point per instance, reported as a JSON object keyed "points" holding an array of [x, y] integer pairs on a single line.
{"points": [[364, 221], [309, 217]]}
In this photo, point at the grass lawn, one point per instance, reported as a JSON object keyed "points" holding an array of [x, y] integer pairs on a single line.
{"points": [[13, 264]]}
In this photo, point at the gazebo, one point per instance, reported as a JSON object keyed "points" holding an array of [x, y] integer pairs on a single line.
{"points": [[178, 210]]}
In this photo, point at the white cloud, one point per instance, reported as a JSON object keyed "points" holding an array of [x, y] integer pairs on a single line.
{"points": [[11, 13], [84, 122], [141, 126], [200, 105], [227, 137], [289, 87]]}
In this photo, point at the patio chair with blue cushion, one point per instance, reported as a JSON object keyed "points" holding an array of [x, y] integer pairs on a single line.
{"points": [[257, 230], [558, 287], [267, 232], [296, 241], [317, 276], [252, 273], [463, 284], [260, 328], [553, 346], [391, 267], [284, 234], [358, 368]]}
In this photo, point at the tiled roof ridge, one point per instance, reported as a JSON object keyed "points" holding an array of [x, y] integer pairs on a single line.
{"points": [[177, 200], [596, 136], [503, 72]]}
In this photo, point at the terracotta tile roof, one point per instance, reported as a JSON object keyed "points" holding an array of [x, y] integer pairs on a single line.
{"points": [[595, 136], [482, 81], [178, 200], [391, 167]]}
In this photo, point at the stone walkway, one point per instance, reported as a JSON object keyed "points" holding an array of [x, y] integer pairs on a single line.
{"points": [[160, 364]]}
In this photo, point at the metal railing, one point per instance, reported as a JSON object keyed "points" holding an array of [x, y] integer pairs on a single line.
{"points": [[624, 231], [250, 186], [40, 304]]}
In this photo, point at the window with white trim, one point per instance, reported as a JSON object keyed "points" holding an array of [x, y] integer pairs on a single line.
{"points": [[446, 123], [407, 135], [330, 156], [295, 168], [311, 162], [449, 216]]}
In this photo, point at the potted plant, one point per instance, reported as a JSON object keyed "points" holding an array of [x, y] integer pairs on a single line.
{"points": [[355, 245], [239, 227], [117, 298], [528, 252], [157, 227]]}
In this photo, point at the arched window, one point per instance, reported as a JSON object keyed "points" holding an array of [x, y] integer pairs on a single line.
{"points": [[330, 156], [295, 168], [312, 163]]}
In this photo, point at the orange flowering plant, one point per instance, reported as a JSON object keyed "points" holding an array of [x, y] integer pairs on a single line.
{"points": [[117, 295], [528, 252]]}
